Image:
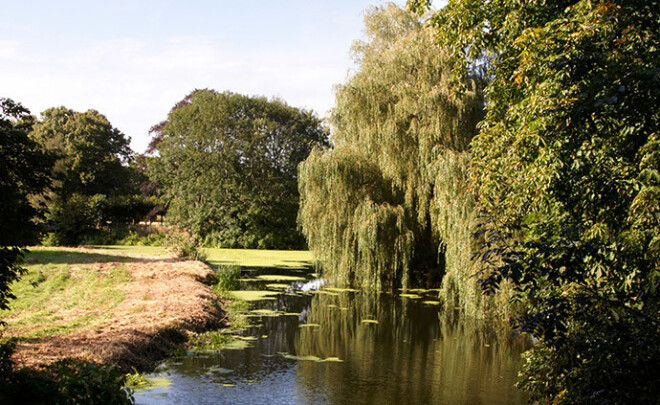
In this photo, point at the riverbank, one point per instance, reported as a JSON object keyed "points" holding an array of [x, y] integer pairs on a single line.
{"points": [[108, 306]]}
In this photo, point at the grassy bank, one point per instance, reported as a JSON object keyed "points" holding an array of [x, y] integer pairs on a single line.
{"points": [[109, 303], [127, 306]]}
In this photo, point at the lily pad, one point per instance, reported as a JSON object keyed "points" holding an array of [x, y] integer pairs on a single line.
{"points": [[264, 312], [373, 321], [411, 296], [431, 302], [254, 295], [312, 358], [324, 292], [247, 338], [279, 277], [339, 290], [218, 370], [277, 286], [237, 344], [291, 314]]}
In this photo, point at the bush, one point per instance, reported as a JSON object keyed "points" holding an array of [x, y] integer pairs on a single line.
{"points": [[64, 382], [183, 244], [227, 278]]}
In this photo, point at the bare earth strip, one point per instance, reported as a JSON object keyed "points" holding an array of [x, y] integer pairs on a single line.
{"points": [[165, 298]]}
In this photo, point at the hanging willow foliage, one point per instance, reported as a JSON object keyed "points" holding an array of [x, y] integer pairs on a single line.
{"points": [[387, 206]]}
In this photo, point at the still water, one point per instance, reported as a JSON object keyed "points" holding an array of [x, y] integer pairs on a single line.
{"points": [[345, 347]]}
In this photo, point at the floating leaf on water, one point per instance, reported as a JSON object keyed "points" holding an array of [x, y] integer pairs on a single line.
{"points": [[253, 295], [315, 275], [279, 277], [277, 286], [247, 338], [337, 289], [264, 312], [237, 344], [229, 385], [323, 292], [264, 336], [370, 321], [343, 309], [486, 345], [291, 314], [332, 306], [219, 370], [309, 325], [312, 358], [431, 302], [410, 296], [153, 382]]}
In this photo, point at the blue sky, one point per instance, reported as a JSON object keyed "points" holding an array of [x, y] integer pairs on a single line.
{"points": [[133, 60]]}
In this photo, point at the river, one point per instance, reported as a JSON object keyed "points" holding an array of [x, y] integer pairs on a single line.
{"points": [[333, 346]]}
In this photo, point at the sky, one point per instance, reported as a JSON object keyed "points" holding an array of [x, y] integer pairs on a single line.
{"points": [[133, 60]]}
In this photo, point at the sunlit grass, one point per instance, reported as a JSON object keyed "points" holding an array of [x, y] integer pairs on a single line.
{"points": [[290, 259], [60, 294]]}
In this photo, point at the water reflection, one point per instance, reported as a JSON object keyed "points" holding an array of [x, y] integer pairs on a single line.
{"points": [[407, 353]]}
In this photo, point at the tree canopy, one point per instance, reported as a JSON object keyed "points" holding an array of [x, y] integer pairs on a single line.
{"points": [[92, 155], [94, 179], [227, 165], [24, 171], [566, 172]]}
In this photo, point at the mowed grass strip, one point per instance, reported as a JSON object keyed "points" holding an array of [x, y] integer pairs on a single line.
{"points": [[63, 292]]}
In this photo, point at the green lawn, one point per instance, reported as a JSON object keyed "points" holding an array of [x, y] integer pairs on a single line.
{"points": [[292, 259], [60, 294]]}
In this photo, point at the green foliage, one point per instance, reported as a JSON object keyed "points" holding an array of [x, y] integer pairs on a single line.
{"points": [[94, 181], [227, 166], [92, 155], [24, 169], [227, 278], [566, 172], [63, 382], [183, 244], [370, 207]]}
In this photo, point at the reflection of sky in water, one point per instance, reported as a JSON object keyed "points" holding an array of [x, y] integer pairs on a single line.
{"points": [[412, 355], [277, 387]]}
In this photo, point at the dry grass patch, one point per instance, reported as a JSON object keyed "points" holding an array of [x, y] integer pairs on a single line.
{"points": [[107, 306]]}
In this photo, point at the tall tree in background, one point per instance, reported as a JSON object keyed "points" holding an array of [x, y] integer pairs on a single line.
{"points": [[227, 164], [24, 171], [92, 173], [387, 206], [567, 170]]}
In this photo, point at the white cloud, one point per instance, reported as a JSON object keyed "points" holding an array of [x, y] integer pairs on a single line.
{"points": [[136, 82]]}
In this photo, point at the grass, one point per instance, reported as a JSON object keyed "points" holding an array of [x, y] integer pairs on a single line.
{"points": [[287, 259], [141, 250], [61, 293]]}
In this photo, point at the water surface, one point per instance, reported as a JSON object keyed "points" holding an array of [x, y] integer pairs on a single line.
{"points": [[342, 347]]}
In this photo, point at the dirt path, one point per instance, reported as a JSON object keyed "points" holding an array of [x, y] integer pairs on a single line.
{"points": [[164, 300]]}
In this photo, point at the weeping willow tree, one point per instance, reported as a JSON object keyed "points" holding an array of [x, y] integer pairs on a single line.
{"points": [[387, 206]]}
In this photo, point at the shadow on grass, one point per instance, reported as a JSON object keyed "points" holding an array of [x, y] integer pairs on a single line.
{"points": [[55, 256]]}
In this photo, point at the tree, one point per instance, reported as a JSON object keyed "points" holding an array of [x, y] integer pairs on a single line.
{"points": [[227, 164], [24, 171], [566, 167], [92, 171], [92, 155], [385, 206]]}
